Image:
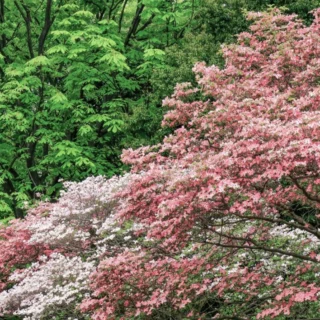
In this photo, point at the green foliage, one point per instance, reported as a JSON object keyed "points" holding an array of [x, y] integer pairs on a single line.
{"points": [[75, 85], [302, 8]]}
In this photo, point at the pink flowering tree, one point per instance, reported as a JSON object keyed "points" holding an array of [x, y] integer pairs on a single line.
{"points": [[228, 205]]}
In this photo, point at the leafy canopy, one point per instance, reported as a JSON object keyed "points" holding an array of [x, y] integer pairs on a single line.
{"points": [[74, 82]]}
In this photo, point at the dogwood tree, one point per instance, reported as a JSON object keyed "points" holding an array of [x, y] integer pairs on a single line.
{"points": [[229, 203]]}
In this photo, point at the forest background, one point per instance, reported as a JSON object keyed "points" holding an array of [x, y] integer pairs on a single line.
{"points": [[82, 80]]}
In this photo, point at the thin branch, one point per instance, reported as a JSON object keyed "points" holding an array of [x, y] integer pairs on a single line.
{"points": [[27, 18], [147, 23], [121, 15], [259, 247], [290, 224], [304, 191]]}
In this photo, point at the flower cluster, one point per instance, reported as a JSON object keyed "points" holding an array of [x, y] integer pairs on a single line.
{"points": [[47, 286], [239, 179], [48, 257]]}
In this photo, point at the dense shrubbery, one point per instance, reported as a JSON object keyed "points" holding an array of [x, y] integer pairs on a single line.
{"points": [[219, 221]]}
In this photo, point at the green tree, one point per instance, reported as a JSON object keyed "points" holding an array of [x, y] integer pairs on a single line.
{"points": [[74, 83]]}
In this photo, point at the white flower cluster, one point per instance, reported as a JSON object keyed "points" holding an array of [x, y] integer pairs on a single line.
{"points": [[84, 206], [46, 287], [295, 237]]}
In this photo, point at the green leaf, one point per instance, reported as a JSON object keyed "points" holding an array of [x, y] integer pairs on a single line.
{"points": [[39, 61], [74, 53], [154, 53], [115, 60], [69, 6], [57, 49], [60, 34], [59, 97], [102, 42], [114, 125], [81, 161], [84, 130], [84, 14]]}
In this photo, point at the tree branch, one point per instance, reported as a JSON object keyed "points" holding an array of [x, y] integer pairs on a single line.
{"points": [[47, 24], [121, 15], [256, 246], [304, 191], [27, 18], [134, 25], [147, 23], [3, 38]]}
